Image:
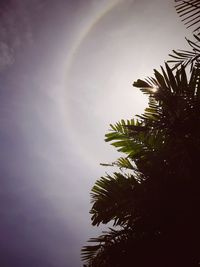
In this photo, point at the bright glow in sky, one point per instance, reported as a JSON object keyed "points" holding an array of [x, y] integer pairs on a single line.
{"points": [[67, 69], [108, 54]]}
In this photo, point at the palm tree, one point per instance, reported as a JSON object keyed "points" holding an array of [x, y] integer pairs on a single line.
{"points": [[153, 197]]}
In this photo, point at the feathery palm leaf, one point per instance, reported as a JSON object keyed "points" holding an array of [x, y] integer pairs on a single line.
{"points": [[186, 58], [189, 11], [173, 107], [109, 244], [123, 163], [114, 197]]}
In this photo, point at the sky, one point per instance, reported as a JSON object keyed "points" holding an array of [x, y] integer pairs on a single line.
{"points": [[66, 73]]}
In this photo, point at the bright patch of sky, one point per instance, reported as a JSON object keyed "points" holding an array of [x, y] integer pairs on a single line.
{"points": [[67, 69]]}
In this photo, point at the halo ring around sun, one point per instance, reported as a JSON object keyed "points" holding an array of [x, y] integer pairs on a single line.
{"points": [[76, 46]]}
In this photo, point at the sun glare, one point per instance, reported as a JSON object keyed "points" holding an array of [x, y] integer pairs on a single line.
{"points": [[154, 89]]}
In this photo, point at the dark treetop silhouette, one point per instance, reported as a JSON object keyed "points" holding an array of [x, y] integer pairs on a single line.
{"points": [[153, 198]]}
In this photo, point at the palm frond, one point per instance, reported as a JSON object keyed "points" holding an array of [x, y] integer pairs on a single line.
{"points": [[106, 246], [186, 58], [113, 199], [120, 136], [189, 11], [121, 163], [171, 105]]}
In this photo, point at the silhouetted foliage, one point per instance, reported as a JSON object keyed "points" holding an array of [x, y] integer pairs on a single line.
{"points": [[189, 11], [153, 199]]}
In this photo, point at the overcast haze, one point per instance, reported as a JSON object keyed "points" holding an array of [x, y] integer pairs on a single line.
{"points": [[66, 72]]}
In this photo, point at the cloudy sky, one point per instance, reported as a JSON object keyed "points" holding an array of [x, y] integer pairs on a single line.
{"points": [[66, 72]]}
